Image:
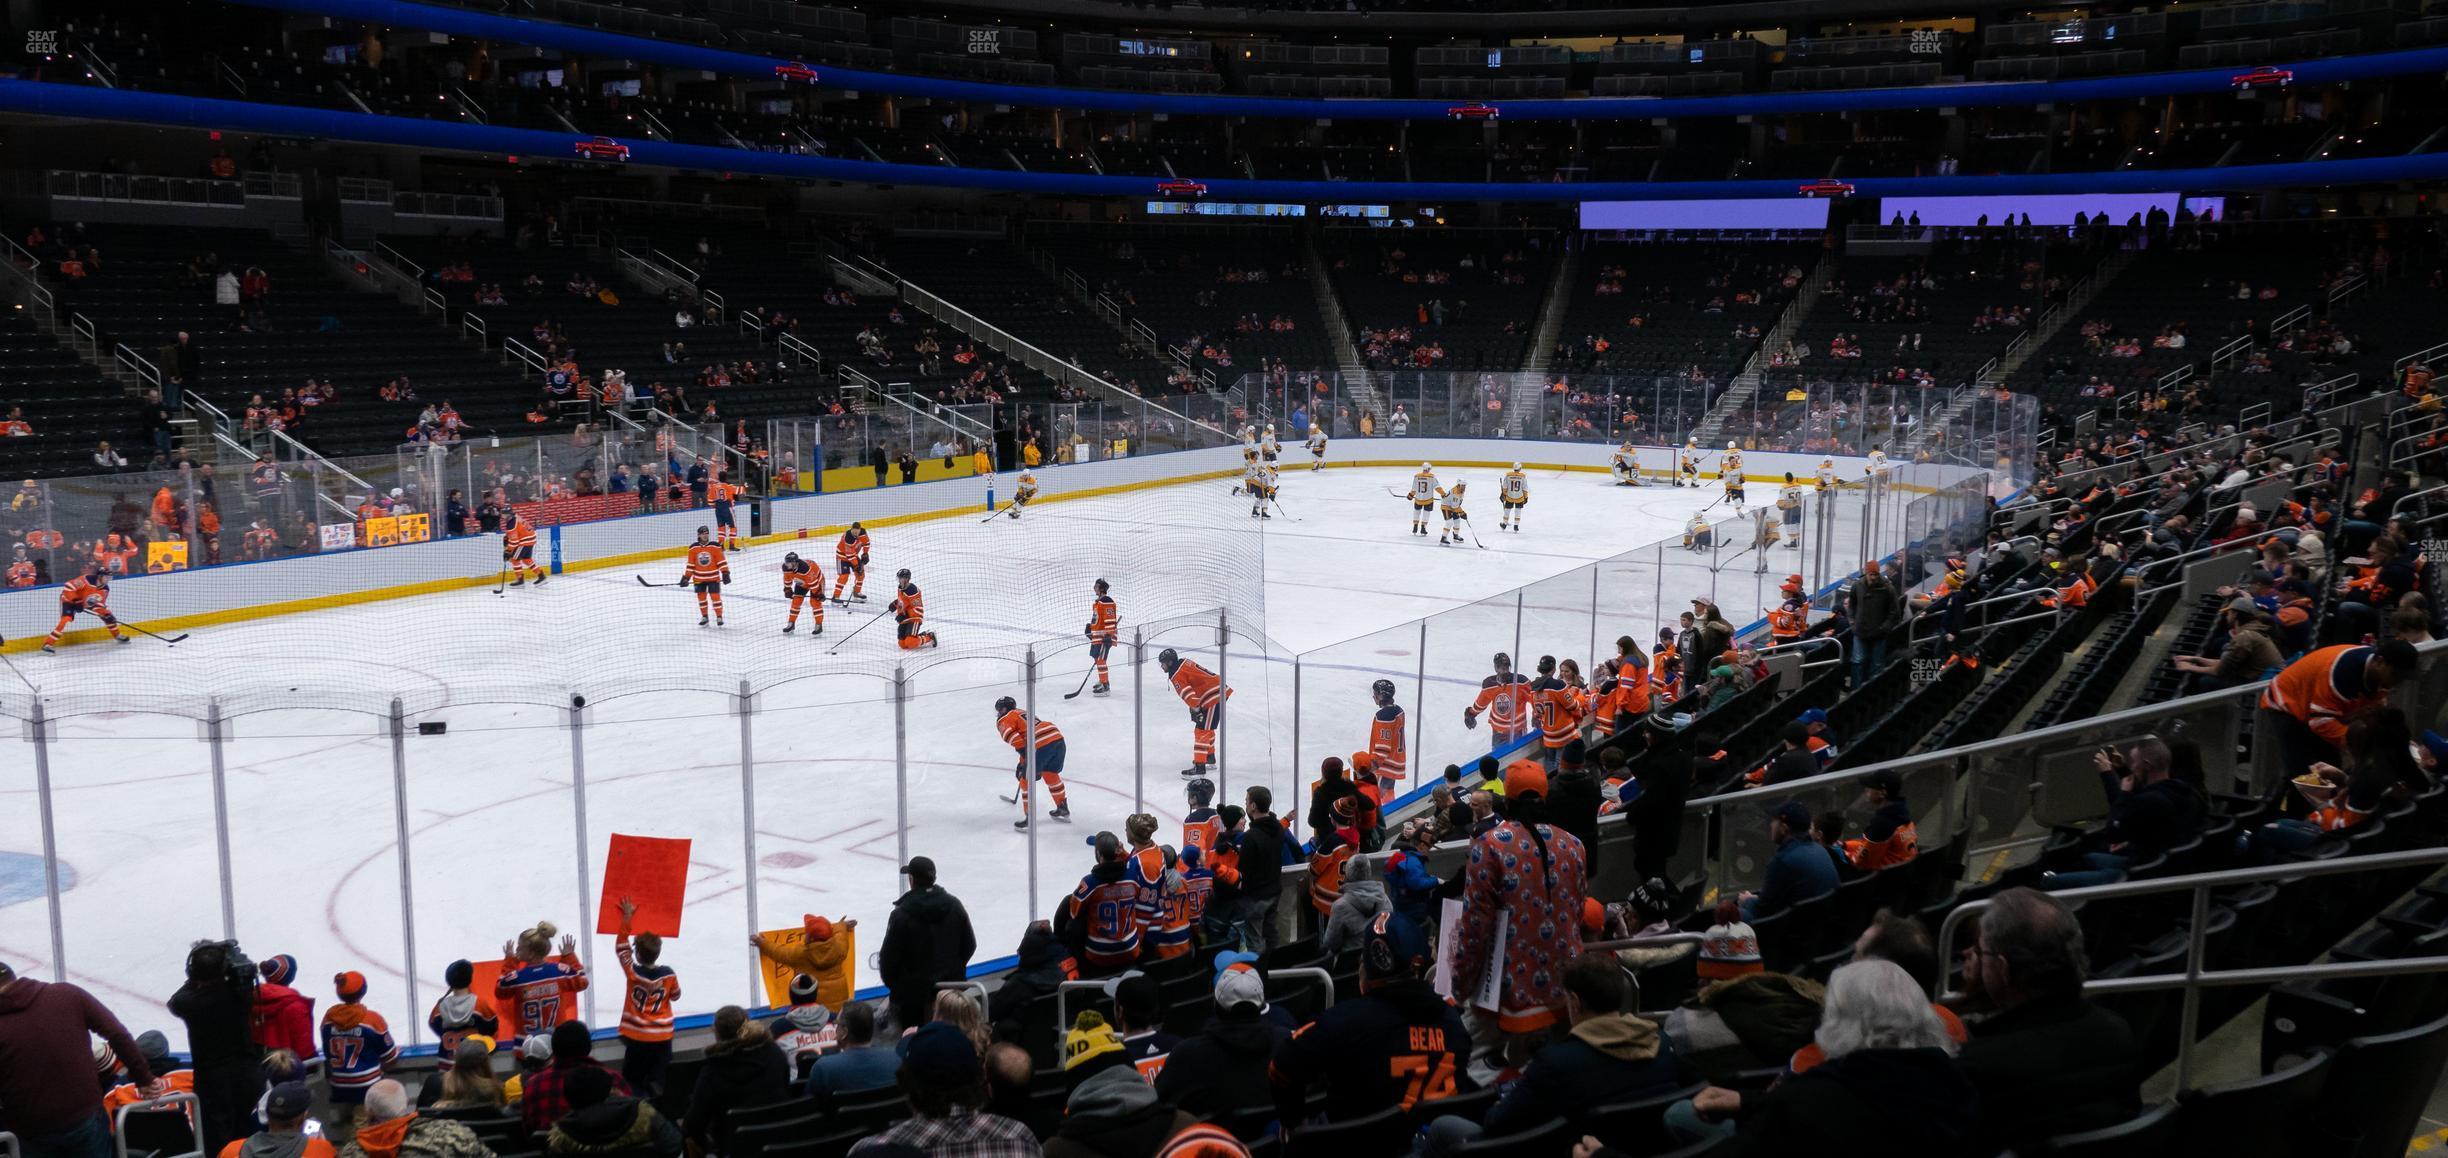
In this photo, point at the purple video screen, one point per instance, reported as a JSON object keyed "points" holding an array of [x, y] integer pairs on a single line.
{"points": [[2045, 209], [1715, 213]]}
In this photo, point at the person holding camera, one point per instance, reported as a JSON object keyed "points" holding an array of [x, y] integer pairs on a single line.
{"points": [[216, 1003]]}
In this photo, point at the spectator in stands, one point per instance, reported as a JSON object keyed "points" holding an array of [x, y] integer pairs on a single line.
{"points": [[1573, 799], [1361, 900], [48, 1097], [1532, 877], [216, 1003], [928, 940], [2249, 657], [1363, 1048], [544, 1095], [945, 1082], [2150, 811], [284, 1132], [1887, 1074], [1794, 759], [394, 1129], [469, 1083], [1889, 838], [1224, 1068], [1799, 869], [106, 459], [2380, 766], [1877, 613], [1612, 1055], [1265, 849], [1117, 1113], [2311, 699], [876, 459], [226, 297], [1042, 968], [2045, 1059], [601, 1122], [859, 1063], [743, 1067]]}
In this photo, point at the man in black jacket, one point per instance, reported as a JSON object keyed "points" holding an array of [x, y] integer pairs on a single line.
{"points": [[1225, 1068], [2149, 812], [216, 1003], [2045, 1060], [928, 940], [1875, 613], [1261, 865], [1656, 811], [1572, 800], [1793, 760]]}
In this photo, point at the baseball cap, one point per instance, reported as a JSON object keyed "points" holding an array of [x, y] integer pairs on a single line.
{"points": [[1795, 815], [537, 1047], [920, 866], [1884, 781], [1393, 947], [2242, 605], [1524, 776], [1240, 985], [1228, 959], [153, 1045], [939, 1054], [1814, 716], [288, 1100]]}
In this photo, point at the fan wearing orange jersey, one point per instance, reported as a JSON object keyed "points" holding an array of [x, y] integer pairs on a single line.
{"points": [[1104, 628], [909, 614], [707, 569], [87, 594], [21, 569], [1386, 751], [1205, 694], [1554, 711], [801, 584], [849, 560], [518, 549]]}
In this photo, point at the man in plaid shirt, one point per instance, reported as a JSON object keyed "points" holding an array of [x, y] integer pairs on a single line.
{"points": [[544, 1097], [946, 1083]]}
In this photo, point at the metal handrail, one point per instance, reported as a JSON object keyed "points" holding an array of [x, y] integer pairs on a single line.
{"points": [[1062, 992], [469, 321], [797, 345], [2195, 977], [397, 260], [521, 351], [2426, 356], [137, 364]]}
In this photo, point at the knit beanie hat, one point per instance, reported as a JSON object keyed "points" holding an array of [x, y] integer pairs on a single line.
{"points": [[279, 969], [1089, 1038]]}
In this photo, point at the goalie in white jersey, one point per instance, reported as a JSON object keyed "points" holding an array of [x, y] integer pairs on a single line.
{"points": [[1317, 446], [1423, 496], [1626, 468], [1827, 475], [1513, 494]]}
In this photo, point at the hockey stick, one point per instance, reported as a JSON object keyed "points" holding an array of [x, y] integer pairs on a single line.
{"points": [[1279, 509], [643, 583], [21, 676], [167, 639], [1074, 693], [845, 640], [1474, 531], [502, 583], [991, 512]]}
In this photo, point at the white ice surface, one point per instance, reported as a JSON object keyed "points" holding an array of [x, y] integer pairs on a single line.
{"points": [[491, 806]]}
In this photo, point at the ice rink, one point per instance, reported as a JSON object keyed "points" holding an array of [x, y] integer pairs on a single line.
{"points": [[493, 807]]}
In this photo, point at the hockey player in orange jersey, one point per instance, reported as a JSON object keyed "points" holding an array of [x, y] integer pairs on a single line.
{"points": [[1389, 757], [1205, 694], [802, 585], [850, 563], [707, 569], [1505, 697], [1104, 628], [909, 614], [1048, 761], [518, 549], [87, 594]]}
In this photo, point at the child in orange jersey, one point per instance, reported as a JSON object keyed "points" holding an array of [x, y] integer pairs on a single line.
{"points": [[646, 1010]]}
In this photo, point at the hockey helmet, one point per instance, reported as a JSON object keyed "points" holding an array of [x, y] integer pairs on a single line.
{"points": [[1517, 466], [1006, 704], [1504, 662], [1425, 466], [1100, 587], [791, 558], [1729, 444], [902, 574], [702, 532], [1168, 659]]}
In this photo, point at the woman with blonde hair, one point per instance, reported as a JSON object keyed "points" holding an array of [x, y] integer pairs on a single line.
{"points": [[469, 1083], [956, 1008]]}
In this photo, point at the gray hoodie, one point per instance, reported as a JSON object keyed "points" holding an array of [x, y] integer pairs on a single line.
{"points": [[1360, 903]]}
